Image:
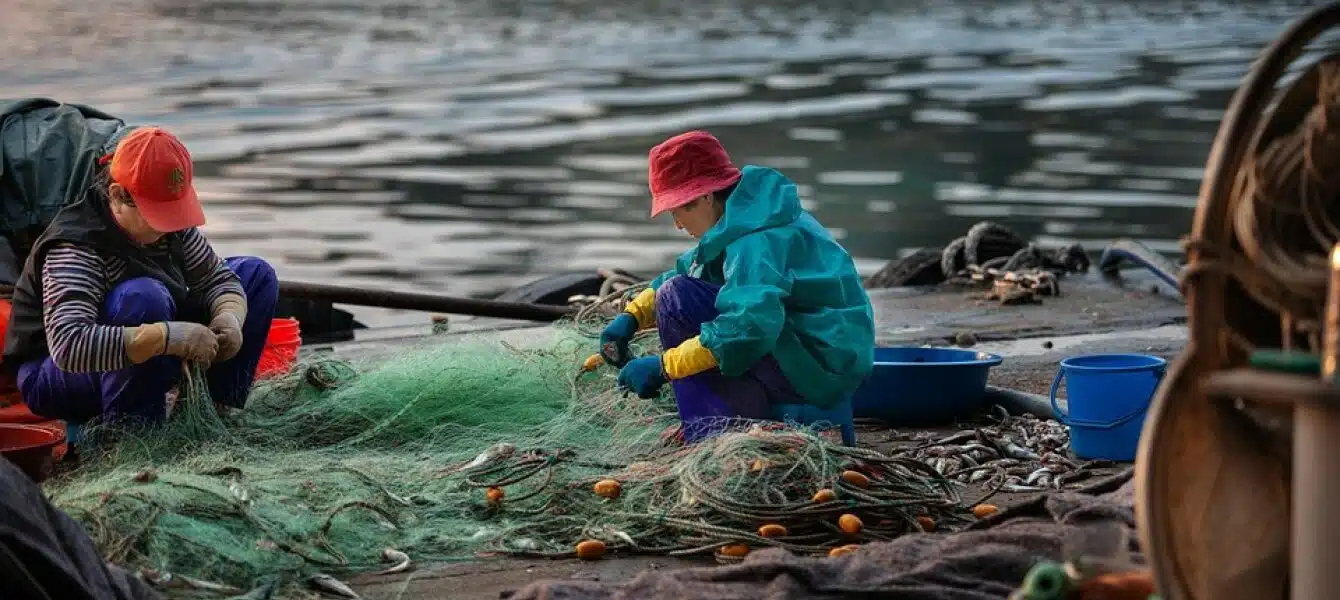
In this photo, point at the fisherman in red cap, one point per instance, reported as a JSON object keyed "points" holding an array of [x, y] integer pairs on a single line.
{"points": [[766, 311], [122, 287]]}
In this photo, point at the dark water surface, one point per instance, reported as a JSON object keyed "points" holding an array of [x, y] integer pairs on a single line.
{"points": [[465, 147]]}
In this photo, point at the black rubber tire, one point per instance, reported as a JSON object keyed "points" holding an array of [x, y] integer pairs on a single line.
{"points": [[916, 269], [951, 258], [1029, 257], [1072, 259], [987, 240]]}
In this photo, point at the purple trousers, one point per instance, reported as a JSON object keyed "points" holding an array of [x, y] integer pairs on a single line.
{"points": [[140, 392], [710, 401]]}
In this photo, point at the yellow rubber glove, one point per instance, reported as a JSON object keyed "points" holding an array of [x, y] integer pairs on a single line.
{"points": [[643, 308], [689, 358]]}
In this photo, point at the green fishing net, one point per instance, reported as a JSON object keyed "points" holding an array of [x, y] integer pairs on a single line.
{"points": [[464, 447]]}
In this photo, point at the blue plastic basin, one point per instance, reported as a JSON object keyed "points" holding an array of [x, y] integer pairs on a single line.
{"points": [[913, 386]]}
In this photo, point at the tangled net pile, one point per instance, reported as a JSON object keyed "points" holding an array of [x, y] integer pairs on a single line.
{"points": [[461, 448]]}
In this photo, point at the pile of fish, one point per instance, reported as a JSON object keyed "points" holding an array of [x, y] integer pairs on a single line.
{"points": [[1018, 453]]}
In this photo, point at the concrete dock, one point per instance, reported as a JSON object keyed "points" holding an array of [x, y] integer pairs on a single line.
{"points": [[1091, 316], [1088, 304]]}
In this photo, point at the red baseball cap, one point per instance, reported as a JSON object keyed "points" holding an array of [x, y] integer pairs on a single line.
{"points": [[687, 166], [154, 166]]}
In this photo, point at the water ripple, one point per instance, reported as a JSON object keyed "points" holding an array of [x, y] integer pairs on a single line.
{"points": [[467, 146]]}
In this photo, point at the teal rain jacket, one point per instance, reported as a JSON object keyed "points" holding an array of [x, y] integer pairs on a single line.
{"points": [[788, 289]]}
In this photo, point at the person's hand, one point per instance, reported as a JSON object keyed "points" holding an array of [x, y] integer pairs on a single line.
{"points": [[191, 341], [228, 330], [643, 376], [616, 337]]}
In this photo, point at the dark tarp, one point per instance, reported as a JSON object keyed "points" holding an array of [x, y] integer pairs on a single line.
{"points": [[985, 562], [48, 150], [46, 555]]}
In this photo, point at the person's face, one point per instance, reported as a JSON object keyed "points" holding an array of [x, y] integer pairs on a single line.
{"points": [[696, 217], [128, 216]]}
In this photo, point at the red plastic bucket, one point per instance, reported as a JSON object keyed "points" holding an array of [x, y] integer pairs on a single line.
{"points": [[34, 461], [7, 383], [18, 413], [31, 447], [13, 410], [281, 348], [5, 308]]}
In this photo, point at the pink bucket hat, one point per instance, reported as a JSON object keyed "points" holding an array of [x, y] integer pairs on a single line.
{"points": [[685, 167]]}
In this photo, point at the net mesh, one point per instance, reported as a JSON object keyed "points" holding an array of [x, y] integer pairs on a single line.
{"points": [[460, 448]]}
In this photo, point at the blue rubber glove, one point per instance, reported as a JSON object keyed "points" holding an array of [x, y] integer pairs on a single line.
{"points": [[616, 337], [643, 376]]}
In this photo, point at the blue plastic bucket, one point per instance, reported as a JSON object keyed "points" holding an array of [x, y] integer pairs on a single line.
{"points": [[1107, 397]]}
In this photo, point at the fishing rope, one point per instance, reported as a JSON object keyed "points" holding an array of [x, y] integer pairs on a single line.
{"points": [[592, 316], [1284, 223], [703, 509]]}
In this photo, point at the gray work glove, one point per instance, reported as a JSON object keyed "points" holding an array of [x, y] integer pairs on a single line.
{"points": [[228, 330], [191, 341]]}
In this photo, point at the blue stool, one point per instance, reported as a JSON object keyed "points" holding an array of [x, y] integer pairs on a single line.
{"points": [[818, 418]]}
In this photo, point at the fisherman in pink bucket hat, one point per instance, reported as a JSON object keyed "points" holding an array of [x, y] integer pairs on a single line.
{"points": [[767, 310]]}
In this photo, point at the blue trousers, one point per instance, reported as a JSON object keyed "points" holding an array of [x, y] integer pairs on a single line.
{"points": [[140, 392], [710, 401]]}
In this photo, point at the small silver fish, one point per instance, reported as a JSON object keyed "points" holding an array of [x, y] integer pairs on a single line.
{"points": [[1055, 440], [263, 591], [499, 450], [1014, 450], [628, 539], [953, 464], [976, 447], [942, 451], [239, 492], [401, 560], [168, 580], [325, 583], [955, 438], [525, 544], [1021, 470], [1071, 477], [1036, 476], [1057, 461]]}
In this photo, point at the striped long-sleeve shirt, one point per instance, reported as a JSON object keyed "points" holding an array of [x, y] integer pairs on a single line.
{"points": [[76, 280]]}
